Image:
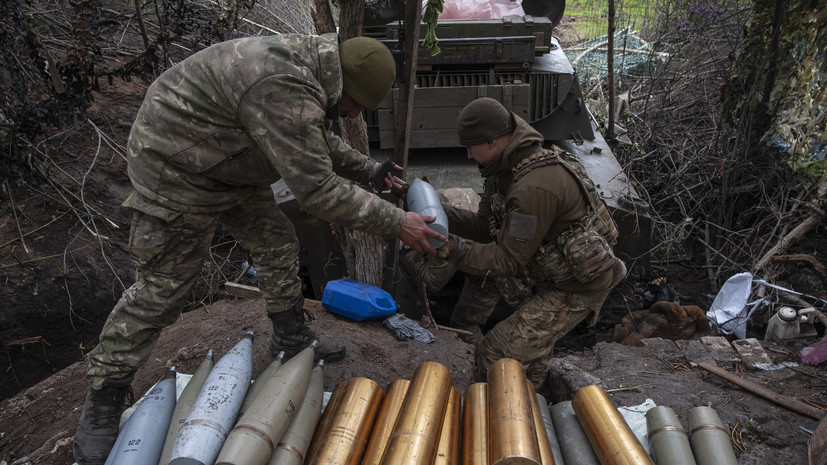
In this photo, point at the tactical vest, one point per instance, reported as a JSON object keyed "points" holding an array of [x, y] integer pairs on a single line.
{"points": [[585, 250]]}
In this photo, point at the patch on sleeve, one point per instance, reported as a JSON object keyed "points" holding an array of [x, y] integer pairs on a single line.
{"points": [[522, 227]]}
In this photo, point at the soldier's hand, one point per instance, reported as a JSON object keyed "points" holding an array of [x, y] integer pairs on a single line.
{"points": [[399, 188], [453, 248], [415, 232], [391, 181]]}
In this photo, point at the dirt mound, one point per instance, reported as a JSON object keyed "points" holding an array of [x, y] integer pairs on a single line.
{"points": [[40, 422], [667, 373]]}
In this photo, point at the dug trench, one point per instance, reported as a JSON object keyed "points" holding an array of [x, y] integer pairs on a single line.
{"points": [[62, 275]]}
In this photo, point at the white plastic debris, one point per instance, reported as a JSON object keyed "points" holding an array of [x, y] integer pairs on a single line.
{"points": [[730, 310]]}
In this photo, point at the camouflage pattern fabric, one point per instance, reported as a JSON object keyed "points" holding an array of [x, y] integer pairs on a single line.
{"points": [[169, 248], [213, 132], [531, 198], [529, 334], [245, 113], [475, 305], [434, 272]]}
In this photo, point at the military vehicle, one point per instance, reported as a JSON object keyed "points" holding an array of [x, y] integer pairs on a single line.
{"points": [[515, 60]]}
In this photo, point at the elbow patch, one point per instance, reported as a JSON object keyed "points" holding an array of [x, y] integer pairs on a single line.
{"points": [[522, 227]]}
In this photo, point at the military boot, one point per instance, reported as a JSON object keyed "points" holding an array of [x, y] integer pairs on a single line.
{"points": [[99, 421], [291, 335]]}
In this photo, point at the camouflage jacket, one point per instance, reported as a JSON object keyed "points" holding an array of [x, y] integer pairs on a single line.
{"points": [[242, 114], [516, 218]]}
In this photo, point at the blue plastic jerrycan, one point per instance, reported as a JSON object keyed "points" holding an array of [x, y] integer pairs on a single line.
{"points": [[357, 300]]}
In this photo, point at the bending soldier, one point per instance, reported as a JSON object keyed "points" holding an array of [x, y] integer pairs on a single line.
{"points": [[542, 239], [213, 133]]}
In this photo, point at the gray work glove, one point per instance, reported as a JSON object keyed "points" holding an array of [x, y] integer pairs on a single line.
{"points": [[407, 329]]}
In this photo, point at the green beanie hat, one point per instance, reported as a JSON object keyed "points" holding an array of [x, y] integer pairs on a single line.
{"points": [[368, 70], [483, 120]]}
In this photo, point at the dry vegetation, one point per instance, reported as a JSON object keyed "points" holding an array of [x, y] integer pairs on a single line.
{"points": [[716, 206]]}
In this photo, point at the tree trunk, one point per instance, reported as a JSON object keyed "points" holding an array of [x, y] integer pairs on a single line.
{"points": [[364, 252]]}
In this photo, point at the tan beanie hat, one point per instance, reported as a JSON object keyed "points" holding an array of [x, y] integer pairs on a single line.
{"points": [[368, 70], [483, 120]]}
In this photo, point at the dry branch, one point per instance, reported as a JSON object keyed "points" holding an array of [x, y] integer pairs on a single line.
{"points": [[802, 229], [801, 258], [792, 404]]}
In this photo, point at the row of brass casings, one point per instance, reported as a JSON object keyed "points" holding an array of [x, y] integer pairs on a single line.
{"points": [[423, 422]]}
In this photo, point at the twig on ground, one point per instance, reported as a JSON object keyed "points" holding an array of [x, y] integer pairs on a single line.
{"points": [[16, 219]]}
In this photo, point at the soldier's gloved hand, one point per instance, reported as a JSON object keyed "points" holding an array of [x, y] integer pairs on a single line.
{"points": [[453, 249], [400, 190]]}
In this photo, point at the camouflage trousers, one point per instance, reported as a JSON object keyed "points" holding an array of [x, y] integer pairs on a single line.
{"points": [[476, 302], [169, 248], [529, 334], [543, 315]]}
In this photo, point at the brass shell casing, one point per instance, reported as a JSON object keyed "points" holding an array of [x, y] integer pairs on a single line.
{"points": [[324, 422], [546, 455], [611, 438], [385, 420], [475, 425], [416, 433], [447, 451], [512, 436], [347, 436]]}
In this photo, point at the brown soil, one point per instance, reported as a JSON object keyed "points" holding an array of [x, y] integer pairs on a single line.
{"points": [[40, 422]]}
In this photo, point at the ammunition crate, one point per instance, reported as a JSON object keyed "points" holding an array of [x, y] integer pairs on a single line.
{"points": [[540, 28]]}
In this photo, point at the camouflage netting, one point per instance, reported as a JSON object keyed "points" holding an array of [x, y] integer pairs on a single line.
{"points": [[632, 56], [725, 130], [779, 75]]}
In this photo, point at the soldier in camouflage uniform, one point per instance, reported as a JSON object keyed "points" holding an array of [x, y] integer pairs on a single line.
{"points": [[541, 239], [213, 133]]}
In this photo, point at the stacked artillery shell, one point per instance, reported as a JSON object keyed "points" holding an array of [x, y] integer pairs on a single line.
{"points": [[447, 451], [385, 419], [574, 445], [142, 438], [668, 440], [346, 436], [322, 428], [414, 438], [550, 433], [185, 402], [475, 425], [512, 435], [258, 385], [295, 441], [216, 407], [254, 438], [546, 454], [611, 438], [710, 438]]}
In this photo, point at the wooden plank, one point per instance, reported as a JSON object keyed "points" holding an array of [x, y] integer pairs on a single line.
{"points": [[242, 290], [791, 404]]}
